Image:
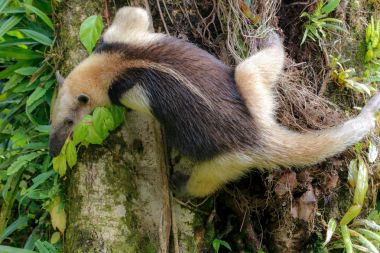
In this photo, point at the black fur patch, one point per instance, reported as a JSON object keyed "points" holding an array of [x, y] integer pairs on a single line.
{"points": [[195, 128]]}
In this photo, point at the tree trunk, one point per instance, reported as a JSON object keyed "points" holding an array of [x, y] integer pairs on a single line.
{"points": [[118, 196]]}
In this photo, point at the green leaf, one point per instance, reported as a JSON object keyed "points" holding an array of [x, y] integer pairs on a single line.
{"points": [[45, 247], [26, 71], [364, 241], [117, 114], [346, 239], [59, 164], [71, 154], [330, 230], [8, 249], [90, 31], [18, 224], [41, 38], [55, 237], [361, 183], [21, 161], [3, 4], [79, 133], [102, 121], [40, 14], [40, 179], [19, 53], [12, 82], [216, 243], [92, 136], [332, 4], [9, 24], [37, 94], [17, 42]]}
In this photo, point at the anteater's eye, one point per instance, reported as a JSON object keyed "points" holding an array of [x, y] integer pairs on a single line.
{"points": [[83, 99]]}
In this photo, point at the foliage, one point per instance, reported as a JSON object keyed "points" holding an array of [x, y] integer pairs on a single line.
{"points": [[26, 82], [362, 233], [93, 129], [32, 202], [90, 31], [216, 243], [347, 77], [318, 21]]}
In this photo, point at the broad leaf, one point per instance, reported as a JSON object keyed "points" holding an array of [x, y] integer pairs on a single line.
{"points": [[330, 6], [90, 31]]}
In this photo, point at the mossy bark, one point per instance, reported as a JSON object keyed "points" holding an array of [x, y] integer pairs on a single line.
{"points": [[117, 196]]}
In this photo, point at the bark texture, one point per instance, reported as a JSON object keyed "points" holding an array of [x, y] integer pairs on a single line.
{"points": [[118, 196]]}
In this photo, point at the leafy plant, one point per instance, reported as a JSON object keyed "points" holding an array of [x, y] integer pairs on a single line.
{"points": [[346, 77], [318, 21], [27, 183], [216, 243], [90, 31], [361, 234], [93, 129]]}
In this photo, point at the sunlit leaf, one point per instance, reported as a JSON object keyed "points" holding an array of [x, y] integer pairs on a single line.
{"points": [[59, 164], [361, 183], [90, 31], [71, 154], [330, 6], [55, 237], [79, 133], [352, 212], [103, 121], [92, 136]]}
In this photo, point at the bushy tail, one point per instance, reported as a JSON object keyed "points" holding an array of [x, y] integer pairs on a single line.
{"points": [[283, 147]]}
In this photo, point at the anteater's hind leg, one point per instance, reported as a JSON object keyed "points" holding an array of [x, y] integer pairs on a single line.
{"points": [[255, 78]]}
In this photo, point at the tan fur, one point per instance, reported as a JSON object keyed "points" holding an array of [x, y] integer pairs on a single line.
{"points": [[131, 25]]}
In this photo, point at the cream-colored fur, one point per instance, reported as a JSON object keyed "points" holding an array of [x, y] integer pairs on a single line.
{"points": [[131, 25]]}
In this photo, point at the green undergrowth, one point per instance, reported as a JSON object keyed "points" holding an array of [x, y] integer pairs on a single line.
{"points": [[355, 231], [32, 214]]}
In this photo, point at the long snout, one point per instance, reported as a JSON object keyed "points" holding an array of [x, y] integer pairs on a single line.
{"points": [[57, 140]]}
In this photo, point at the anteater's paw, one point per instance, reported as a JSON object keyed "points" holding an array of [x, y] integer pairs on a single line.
{"points": [[178, 182]]}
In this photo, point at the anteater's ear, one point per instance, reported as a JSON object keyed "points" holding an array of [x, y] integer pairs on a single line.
{"points": [[60, 78]]}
